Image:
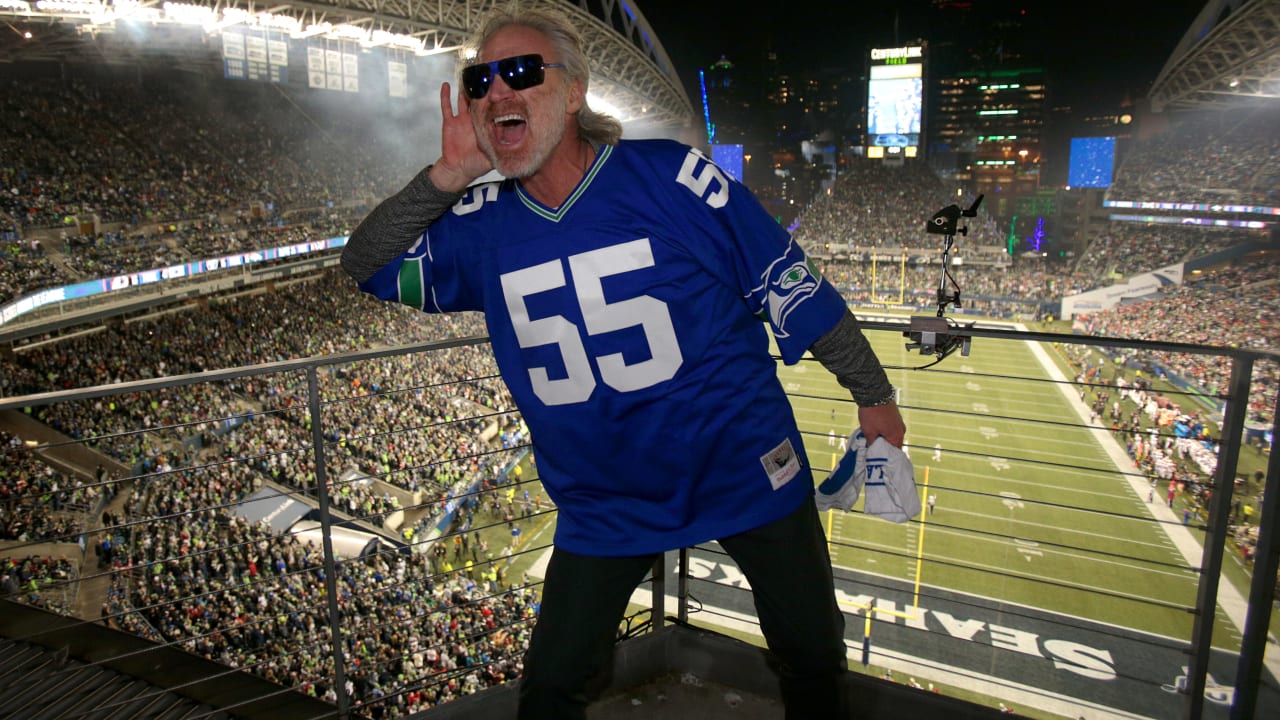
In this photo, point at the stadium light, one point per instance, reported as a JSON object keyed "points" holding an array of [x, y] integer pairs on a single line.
{"points": [[312, 31], [599, 104], [134, 10], [19, 5], [239, 16], [347, 31], [230, 16], [395, 40], [436, 50], [287, 23], [187, 14], [71, 7]]}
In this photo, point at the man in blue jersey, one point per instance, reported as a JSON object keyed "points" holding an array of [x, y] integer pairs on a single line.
{"points": [[627, 286]]}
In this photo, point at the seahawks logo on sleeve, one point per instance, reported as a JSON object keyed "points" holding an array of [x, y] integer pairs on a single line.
{"points": [[787, 289]]}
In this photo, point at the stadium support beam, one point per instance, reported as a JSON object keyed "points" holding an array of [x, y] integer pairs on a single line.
{"points": [[1229, 56], [631, 71]]}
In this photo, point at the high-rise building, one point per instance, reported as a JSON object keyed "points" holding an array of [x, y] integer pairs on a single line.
{"points": [[987, 131], [728, 104]]}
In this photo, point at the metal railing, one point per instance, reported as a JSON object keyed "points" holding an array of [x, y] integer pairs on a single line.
{"points": [[1049, 570]]}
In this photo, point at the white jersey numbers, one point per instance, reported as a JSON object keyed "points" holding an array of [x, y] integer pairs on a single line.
{"points": [[600, 316], [699, 182], [475, 198], [554, 330]]}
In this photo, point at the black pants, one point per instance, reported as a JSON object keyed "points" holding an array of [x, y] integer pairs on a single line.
{"points": [[786, 562]]}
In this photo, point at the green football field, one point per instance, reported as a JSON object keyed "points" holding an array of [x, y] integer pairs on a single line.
{"points": [[1032, 506]]}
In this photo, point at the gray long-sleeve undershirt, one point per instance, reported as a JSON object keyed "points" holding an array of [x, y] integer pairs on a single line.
{"points": [[845, 353], [394, 226], [397, 223]]}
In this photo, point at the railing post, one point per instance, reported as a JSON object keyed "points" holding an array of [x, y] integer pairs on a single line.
{"points": [[659, 599], [682, 587], [326, 530], [1215, 536], [1266, 559]]}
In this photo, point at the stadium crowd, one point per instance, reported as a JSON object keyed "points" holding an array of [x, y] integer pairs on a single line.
{"points": [[176, 182], [1233, 307], [1128, 249], [39, 581], [162, 148], [871, 205], [1210, 157], [38, 502], [205, 448], [233, 591]]}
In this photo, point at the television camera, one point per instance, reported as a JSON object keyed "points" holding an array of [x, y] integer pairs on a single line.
{"points": [[938, 335]]}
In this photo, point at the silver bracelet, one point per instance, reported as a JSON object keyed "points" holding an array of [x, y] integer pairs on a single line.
{"points": [[891, 397]]}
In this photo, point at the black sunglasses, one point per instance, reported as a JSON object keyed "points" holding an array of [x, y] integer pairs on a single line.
{"points": [[519, 73]]}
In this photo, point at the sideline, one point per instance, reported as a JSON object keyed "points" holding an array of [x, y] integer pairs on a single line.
{"points": [[1229, 598]]}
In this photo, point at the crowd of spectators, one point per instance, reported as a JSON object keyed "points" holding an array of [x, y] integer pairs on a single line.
{"points": [[233, 591], [871, 205], [39, 580], [148, 148], [1125, 249], [1234, 306], [212, 445], [38, 502], [23, 269], [1023, 290], [1213, 157]]}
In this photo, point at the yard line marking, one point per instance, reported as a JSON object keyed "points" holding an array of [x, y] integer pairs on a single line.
{"points": [[1069, 530], [1025, 575]]}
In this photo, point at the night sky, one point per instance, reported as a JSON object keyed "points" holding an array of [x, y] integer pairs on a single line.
{"points": [[1095, 51]]}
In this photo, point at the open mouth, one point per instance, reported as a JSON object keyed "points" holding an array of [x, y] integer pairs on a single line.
{"points": [[510, 128]]}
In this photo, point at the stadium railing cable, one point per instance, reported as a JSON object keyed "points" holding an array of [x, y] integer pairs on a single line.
{"points": [[870, 583], [1037, 380], [358, 568], [1041, 542], [978, 415], [1018, 576]]}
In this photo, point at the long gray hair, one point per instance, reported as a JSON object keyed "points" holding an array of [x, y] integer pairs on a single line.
{"points": [[594, 127]]}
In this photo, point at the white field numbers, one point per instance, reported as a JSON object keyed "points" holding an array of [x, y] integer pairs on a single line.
{"points": [[601, 316]]}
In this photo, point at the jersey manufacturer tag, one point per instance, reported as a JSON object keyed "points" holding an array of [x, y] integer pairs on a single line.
{"points": [[781, 464]]}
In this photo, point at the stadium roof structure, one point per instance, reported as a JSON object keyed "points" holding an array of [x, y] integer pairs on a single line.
{"points": [[631, 71], [1230, 56]]}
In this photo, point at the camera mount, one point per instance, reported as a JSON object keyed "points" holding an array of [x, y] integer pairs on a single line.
{"points": [[938, 335]]}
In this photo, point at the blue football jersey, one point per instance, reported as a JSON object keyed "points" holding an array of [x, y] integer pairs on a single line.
{"points": [[630, 326]]}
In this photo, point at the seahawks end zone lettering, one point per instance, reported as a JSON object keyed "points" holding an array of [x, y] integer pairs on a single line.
{"points": [[1072, 657]]}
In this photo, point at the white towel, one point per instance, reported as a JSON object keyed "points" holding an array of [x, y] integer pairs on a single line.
{"points": [[890, 483], [883, 470], [841, 488]]}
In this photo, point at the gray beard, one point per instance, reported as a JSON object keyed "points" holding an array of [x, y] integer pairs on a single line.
{"points": [[537, 157]]}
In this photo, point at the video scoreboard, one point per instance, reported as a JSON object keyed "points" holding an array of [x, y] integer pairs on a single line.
{"points": [[895, 101]]}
